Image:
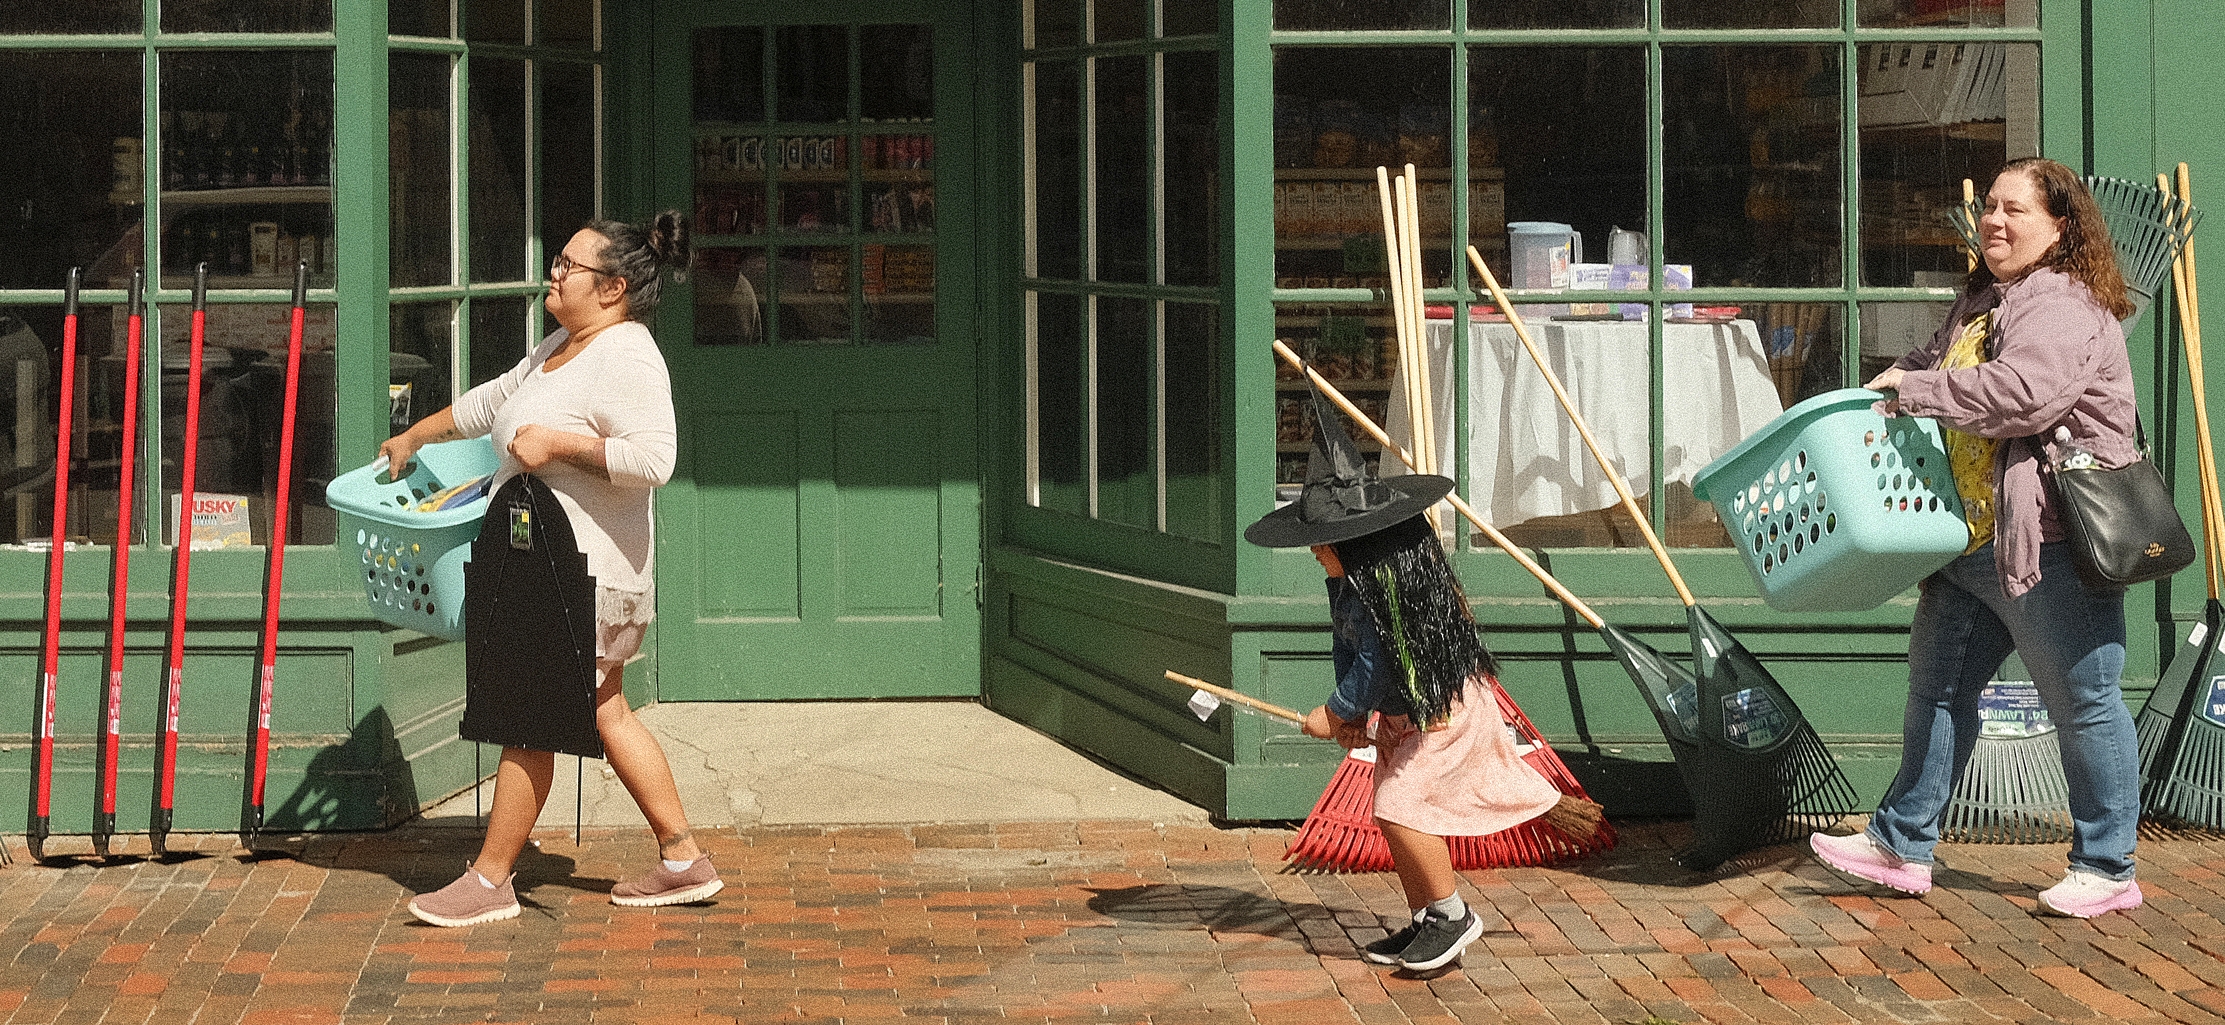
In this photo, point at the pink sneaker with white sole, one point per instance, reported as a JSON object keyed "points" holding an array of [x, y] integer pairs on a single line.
{"points": [[2085, 895], [1863, 858]]}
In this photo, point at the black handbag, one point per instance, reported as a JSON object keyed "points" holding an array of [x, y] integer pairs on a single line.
{"points": [[2123, 527]]}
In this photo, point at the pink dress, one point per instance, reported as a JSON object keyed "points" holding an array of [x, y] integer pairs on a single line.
{"points": [[1463, 780]]}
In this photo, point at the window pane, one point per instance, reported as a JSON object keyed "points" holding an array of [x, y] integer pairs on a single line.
{"points": [[729, 74], [1352, 345], [567, 23], [498, 170], [1125, 424], [243, 380], [421, 352], [1339, 15], [1555, 135], [1954, 13], [1123, 149], [900, 83], [1118, 21], [498, 337], [494, 21], [1750, 13], [80, 16], [75, 198], [418, 156], [419, 18], [730, 294], [811, 298], [1194, 424], [1058, 22], [1192, 152], [1934, 114], [30, 387], [812, 63], [246, 179], [1057, 222], [1341, 112], [1752, 164], [568, 158], [1893, 330], [900, 294], [247, 15], [1806, 344], [1061, 372], [1568, 14], [1180, 19]]}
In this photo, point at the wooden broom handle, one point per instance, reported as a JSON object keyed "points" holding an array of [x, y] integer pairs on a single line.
{"points": [[2190, 328], [1245, 700], [1564, 594], [1629, 503], [1969, 196]]}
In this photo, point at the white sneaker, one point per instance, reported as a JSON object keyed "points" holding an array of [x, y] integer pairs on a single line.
{"points": [[2085, 895]]}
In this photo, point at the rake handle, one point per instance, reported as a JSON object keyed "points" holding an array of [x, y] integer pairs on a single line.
{"points": [[2191, 338], [1622, 489], [1459, 504], [1245, 700]]}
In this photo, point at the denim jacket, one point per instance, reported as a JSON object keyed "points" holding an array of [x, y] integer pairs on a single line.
{"points": [[2056, 358], [1366, 675]]}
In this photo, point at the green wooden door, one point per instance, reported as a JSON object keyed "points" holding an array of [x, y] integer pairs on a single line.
{"points": [[821, 536]]}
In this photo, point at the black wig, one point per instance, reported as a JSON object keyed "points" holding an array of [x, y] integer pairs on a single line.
{"points": [[1408, 588]]}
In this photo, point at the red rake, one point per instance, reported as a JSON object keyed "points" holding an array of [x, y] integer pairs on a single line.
{"points": [[1340, 834]]}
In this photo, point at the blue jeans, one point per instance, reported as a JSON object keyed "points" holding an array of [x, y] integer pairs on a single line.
{"points": [[2072, 637]]}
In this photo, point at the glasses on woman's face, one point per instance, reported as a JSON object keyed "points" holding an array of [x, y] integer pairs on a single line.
{"points": [[564, 265]]}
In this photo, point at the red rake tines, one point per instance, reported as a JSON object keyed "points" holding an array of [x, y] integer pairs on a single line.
{"points": [[1341, 836]]}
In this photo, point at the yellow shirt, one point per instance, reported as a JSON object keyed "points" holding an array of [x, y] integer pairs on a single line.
{"points": [[1968, 455]]}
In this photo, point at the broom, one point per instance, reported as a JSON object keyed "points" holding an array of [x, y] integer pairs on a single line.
{"points": [[2192, 788], [1340, 833]]}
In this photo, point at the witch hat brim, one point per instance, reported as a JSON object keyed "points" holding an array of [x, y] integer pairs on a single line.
{"points": [[1341, 500]]}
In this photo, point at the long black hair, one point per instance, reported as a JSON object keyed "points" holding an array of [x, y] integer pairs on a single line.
{"points": [[1403, 579], [643, 256]]}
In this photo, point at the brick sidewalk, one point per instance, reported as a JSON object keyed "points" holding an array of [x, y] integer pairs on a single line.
{"points": [[1099, 921]]}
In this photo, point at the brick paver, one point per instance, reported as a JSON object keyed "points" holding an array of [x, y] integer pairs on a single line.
{"points": [[1084, 922]]}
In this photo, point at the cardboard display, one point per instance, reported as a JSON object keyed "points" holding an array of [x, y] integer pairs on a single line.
{"points": [[529, 628]]}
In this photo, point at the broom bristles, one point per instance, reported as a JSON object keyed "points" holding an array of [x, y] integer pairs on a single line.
{"points": [[1341, 835]]}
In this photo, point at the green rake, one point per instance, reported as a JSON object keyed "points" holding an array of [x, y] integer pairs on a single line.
{"points": [[2012, 790]]}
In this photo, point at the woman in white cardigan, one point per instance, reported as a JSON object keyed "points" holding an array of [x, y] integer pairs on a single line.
{"points": [[589, 411]]}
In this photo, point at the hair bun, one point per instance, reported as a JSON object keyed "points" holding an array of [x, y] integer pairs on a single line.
{"points": [[670, 242]]}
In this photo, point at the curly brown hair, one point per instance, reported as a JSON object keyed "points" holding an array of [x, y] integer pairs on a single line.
{"points": [[2084, 252]]}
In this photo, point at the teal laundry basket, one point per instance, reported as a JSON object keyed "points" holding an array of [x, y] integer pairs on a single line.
{"points": [[413, 562], [1836, 508]]}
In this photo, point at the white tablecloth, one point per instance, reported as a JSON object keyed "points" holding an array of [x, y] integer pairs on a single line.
{"points": [[1525, 458]]}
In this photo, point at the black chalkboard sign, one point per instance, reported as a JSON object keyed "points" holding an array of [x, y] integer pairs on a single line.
{"points": [[529, 628]]}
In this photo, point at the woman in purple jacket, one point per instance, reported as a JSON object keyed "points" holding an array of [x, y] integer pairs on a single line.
{"points": [[2031, 352]]}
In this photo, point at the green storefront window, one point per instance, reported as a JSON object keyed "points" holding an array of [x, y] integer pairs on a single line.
{"points": [[419, 179]]}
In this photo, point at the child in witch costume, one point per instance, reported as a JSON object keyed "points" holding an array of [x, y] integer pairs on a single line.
{"points": [[1408, 655]]}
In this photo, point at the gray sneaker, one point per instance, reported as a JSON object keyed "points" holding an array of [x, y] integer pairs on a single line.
{"points": [[1387, 949], [467, 901], [663, 886], [1440, 940]]}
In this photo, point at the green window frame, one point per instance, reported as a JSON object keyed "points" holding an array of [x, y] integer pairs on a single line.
{"points": [[1123, 284], [2051, 34], [484, 339]]}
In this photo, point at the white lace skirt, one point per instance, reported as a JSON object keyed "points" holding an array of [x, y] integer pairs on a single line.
{"points": [[622, 620]]}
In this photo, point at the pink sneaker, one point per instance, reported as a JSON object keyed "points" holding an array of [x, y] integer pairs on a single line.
{"points": [[663, 886], [467, 901], [2084, 895], [1861, 857]]}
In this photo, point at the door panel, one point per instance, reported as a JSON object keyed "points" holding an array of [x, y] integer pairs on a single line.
{"points": [[821, 537]]}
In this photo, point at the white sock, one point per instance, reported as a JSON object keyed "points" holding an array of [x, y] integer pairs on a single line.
{"points": [[676, 866], [482, 879], [1449, 906]]}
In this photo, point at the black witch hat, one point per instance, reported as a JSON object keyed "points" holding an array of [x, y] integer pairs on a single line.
{"points": [[1341, 500]]}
